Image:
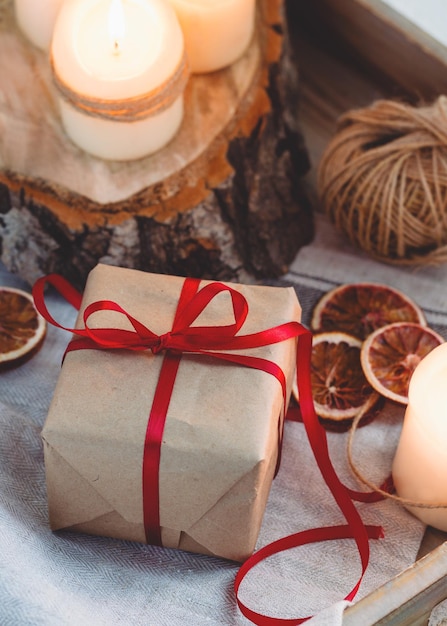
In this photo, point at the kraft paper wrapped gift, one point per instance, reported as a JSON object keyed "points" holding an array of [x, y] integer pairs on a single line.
{"points": [[220, 443]]}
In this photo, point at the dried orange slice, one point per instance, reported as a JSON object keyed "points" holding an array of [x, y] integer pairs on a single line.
{"points": [[22, 328], [359, 309], [390, 355], [339, 387]]}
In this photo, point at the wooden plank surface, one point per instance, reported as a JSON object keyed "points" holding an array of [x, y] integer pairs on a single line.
{"points": [[332, 81], [384, 37]]}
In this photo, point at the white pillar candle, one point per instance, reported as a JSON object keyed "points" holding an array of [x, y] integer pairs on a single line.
{"points": [[420, 464], [120, 69], [217, 32], [36, 20]]}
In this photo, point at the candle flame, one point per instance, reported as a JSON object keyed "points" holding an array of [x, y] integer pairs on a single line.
{"points": [[117, 28]]}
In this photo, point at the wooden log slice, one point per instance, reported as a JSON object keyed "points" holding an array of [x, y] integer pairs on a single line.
{"points": [[223, 200]]}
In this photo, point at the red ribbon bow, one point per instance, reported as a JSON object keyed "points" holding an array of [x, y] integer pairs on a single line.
{"points": [[210, 341]]}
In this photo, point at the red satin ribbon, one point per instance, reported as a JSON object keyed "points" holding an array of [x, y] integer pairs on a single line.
{"points": [[355, 528], [209, 341]]}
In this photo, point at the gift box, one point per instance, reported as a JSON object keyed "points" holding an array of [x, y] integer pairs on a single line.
{"points": [[220, 442]]}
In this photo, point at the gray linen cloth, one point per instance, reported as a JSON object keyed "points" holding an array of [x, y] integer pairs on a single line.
{"points": [[438, 616], [63, 579]]}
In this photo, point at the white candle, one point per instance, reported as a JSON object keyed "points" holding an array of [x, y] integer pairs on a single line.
{"points": [[217, 32], [36, 19], [120, 68], [420, 464]]}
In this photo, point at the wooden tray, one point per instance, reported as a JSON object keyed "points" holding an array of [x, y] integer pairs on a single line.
{"points": [[407, 599], [375, 30]]}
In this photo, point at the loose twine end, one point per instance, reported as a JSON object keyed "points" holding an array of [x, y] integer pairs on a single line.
{"points": [[386, 492]]}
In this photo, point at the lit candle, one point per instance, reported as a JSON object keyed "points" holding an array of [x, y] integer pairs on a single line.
{"points": [[420, 464], [120, 69], [217, 32], [36, 19]]}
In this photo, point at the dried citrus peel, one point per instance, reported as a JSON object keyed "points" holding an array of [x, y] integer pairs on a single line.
{"points": [[360, 308], [340, 389], [390, 355], [22, 328]]}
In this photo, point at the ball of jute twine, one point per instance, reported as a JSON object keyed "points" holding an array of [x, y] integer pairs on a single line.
{"points": [[358, 473], [383, 181]]}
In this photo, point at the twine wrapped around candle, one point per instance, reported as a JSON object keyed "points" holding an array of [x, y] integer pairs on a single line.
{"points": [[128, 109], [383, 181], [374, 487]]}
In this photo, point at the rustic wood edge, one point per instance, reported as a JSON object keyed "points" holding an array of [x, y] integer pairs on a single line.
{"points": [[407, 599], [425, 42], [386, 41]]}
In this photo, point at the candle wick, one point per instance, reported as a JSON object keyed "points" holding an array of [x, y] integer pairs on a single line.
{"points": [[116, 25]]}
